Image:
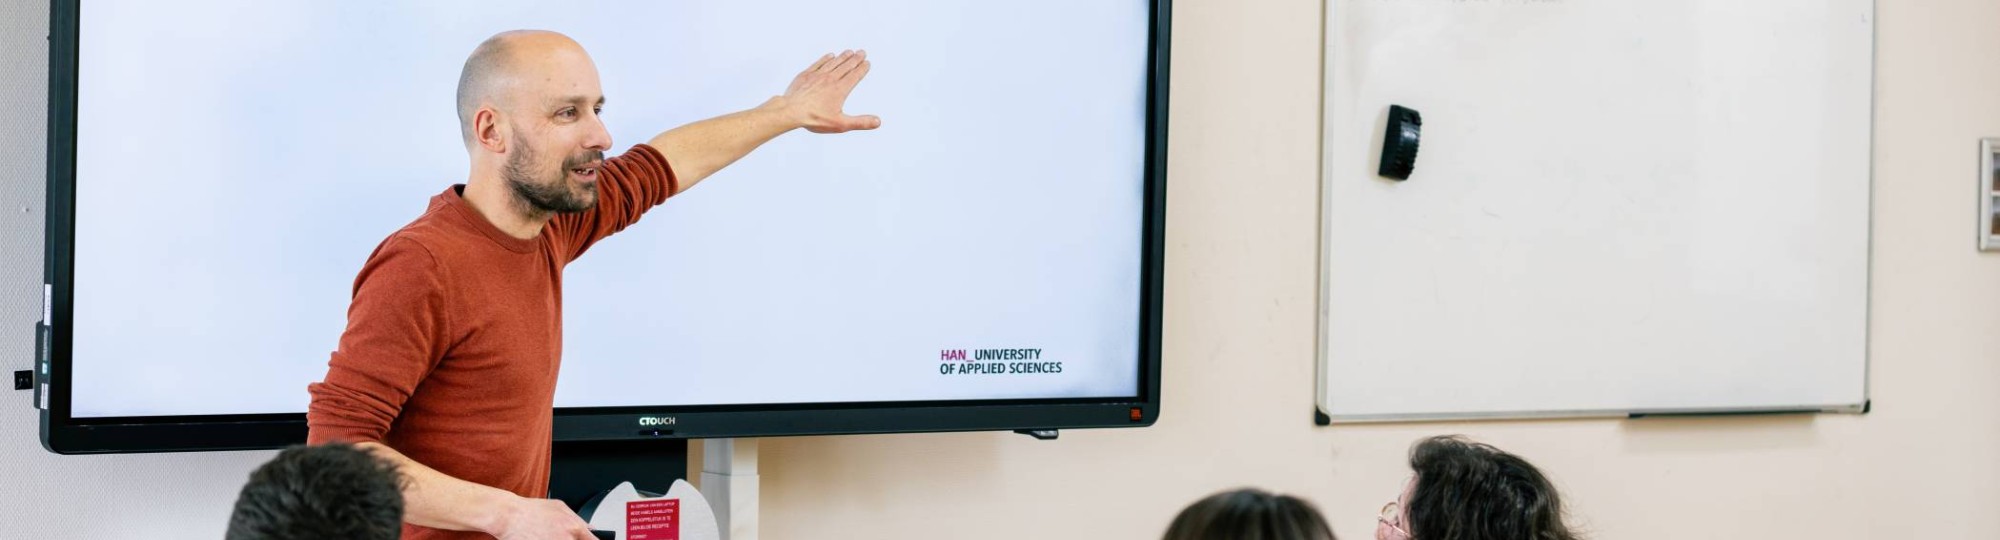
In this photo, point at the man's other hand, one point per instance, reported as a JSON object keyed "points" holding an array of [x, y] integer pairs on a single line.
{"points": [[541, 519]]}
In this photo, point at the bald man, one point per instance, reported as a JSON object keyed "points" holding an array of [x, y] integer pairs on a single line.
{"points": [[448, 364]]}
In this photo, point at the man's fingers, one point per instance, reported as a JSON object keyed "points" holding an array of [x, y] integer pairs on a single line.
{"points": [[847, 63], [829, 64], [866, 121], [821, 63], [854, 77]]}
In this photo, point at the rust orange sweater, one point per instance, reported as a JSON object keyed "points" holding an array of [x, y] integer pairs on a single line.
{"points": [[454, 336]]}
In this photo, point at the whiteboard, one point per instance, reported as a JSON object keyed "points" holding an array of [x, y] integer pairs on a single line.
{"points": [[1619, 207]]}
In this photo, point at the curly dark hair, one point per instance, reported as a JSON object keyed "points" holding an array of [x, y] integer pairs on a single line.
{"points": [[1249, 514], [1473, 491], [325, 491]]}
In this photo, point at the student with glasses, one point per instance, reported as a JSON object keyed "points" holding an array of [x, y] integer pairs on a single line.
{"points": [[1465, 490]]}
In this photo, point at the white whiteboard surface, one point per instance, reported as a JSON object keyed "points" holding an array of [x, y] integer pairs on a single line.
{"points": [[1619, 207]]}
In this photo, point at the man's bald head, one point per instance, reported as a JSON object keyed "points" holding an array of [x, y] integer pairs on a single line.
{"points": [[494, 72], [528, 104]]}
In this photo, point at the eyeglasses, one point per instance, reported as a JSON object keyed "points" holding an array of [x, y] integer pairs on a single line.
{"points": [[1392, 515]]}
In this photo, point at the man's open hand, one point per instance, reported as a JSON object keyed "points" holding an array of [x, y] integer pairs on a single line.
{"points": [[817, 95]]}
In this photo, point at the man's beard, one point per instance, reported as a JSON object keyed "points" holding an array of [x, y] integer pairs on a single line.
{"points": [[556, 195]]}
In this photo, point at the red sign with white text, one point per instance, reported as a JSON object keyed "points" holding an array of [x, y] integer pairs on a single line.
{"points": [[653, 519]]}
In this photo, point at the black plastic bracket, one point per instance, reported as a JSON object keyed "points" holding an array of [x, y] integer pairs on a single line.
{"points": [[1040, 434]]}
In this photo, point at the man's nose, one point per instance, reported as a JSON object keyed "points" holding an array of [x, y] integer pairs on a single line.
{"points": [[599, 139]]}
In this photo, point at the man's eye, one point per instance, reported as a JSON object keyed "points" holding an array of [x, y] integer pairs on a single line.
{"points": [[597, 111], [567, 113]]}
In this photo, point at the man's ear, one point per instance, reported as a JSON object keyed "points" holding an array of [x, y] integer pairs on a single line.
{"points": [[487, 132]]}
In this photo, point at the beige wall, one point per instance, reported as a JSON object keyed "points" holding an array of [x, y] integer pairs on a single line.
{"points": [[1240, 289], [1239, 346]]}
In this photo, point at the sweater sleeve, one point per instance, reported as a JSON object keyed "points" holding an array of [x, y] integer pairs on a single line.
{"points": [[629, 185], [395, 336]]}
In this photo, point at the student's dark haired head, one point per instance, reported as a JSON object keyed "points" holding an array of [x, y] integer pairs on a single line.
{"points": [[1249, 514], [1471, 491], [326, 491]]}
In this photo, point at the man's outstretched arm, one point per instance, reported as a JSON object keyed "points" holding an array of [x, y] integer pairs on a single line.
{"points": [[814, 102]]}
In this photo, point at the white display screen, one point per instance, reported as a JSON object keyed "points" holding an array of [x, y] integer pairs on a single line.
{"points": [[237, 161]]}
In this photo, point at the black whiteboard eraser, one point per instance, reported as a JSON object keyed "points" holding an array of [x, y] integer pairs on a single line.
{"points": [[1399, 142]]}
